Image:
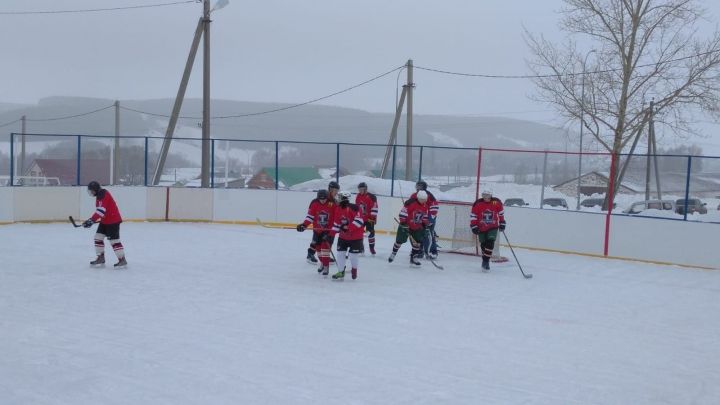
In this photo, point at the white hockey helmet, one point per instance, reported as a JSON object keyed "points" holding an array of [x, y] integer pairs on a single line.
{"points": [[422, 196], [486, 192], [344, 195]]}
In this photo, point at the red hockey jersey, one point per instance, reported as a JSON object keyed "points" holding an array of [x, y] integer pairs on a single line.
{"points": [[487, 215], [320, 215], [414, 214], [432, 203], [106, 211], [351, 216], [368, 206]]}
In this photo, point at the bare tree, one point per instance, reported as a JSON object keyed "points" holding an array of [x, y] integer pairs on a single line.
{"points": [[644, 50]]}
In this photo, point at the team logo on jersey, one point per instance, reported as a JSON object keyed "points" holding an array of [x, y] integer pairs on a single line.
{"points": [[488, 217], [418, 217], [363, 210], [323, 218]]}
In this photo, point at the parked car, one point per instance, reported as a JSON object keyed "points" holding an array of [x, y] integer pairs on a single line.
{"points": [[693, 205], [515, 202], [640, 206], [594, 202], [555, 202]]}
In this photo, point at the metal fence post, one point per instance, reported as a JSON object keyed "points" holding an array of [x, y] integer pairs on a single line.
{"points": [[277, 165], [420, 164], [12, 159], [77, 179], [146, 162], [687, 187], [392, 174], [212, 163], [477, 180], [337, 163]]}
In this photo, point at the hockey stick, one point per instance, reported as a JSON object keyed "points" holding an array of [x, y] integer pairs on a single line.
{"points": [[72, 221], [265, 225], [437, 266], [528, 275]]}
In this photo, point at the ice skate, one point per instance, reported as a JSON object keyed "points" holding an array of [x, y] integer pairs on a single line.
{"points": [[392, 257], [121, 263], [100, 260], [372, 250], [414, 261], [311, 258], [353, 272], [486, 266], [339, 275], [326, 270]]}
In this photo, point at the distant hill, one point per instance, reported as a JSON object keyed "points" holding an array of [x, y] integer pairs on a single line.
{"points": [[307, 123]]}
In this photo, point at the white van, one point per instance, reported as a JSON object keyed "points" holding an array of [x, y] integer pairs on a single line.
{"points": [[661, 205]]}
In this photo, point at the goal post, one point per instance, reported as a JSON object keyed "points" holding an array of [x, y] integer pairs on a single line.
{"points": [[454, 234]]}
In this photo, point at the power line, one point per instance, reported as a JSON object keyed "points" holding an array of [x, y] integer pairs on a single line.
{"points": [[492, 76], [70, 116], [9, 123], [276, 109], [95, 9]]}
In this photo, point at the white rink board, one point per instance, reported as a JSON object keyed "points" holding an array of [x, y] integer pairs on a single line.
{"points": [[191, 203], [7, 207], [556, 229], [688, 243], [693, 243]]}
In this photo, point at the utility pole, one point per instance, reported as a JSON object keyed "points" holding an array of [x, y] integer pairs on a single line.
{"points": [[652, 153], [406, 94], [23, 127], [205, 169], [409, 140], [203, 29], [116, 147], [582, 127]]}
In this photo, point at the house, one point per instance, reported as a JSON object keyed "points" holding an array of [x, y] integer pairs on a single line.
{"points": [[287, 176], [66, 170], [593, 183]]}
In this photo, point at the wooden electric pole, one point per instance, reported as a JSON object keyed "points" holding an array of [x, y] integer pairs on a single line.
{"points": [[406, 94], [203, 28]]}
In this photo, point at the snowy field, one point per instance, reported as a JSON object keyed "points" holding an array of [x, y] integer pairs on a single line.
{"points": [[221, 314]]}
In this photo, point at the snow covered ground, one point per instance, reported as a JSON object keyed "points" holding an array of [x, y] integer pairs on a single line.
{"points": [[220, 314]]}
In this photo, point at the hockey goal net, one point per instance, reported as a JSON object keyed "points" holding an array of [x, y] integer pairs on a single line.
{"points": [[454, 234]]}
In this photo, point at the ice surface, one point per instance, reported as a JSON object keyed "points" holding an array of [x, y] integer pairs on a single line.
{"points": [[223, 314]]}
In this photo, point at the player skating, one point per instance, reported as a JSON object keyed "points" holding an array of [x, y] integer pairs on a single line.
{"points": [[368, 206], [107, 213], [333, 188], [486, 217], [429, 240], [349, 224], [413, 221], [320, 214]]}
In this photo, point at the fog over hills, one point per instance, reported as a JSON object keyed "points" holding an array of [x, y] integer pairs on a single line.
{"points": [[308, 123]]}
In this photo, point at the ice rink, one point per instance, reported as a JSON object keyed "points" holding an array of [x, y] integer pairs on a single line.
{"points": [[230, 314]]}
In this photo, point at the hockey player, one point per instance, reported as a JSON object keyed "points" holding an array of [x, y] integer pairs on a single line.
{"points": [[320, 215], [413, 222], [429, 240], [333, 188], [107, 213], [350, 227], [368, 206], [486, 217]]}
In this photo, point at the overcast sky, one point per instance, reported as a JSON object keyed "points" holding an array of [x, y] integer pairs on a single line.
{"points": [[284, 51]]}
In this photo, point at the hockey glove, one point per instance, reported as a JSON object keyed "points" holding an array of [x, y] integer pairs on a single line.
{"points": [[88, 223], [344, 228], [502, 226], [300, 227], [476, 231]]}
